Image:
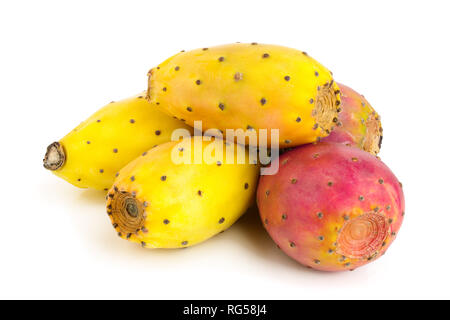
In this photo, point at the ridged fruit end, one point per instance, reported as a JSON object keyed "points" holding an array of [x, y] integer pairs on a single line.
{"points": [[127, 213], [327, 105], [374, 134], [363, 237], [55, 157]]}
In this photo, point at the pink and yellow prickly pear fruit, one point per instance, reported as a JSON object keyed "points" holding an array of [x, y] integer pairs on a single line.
{"points": [[358, 123], [92, 153], [161, 203], [331, 207], [249, 87]]}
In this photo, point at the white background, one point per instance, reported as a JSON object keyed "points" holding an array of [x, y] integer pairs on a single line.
{"points": [[61, 60]]}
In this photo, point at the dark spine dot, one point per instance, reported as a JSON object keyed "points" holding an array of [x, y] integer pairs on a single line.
{"points": [[265, 55], [315, 126], [115, 150], [330, 183], [316, 73], [320, 238], [380, 181], [361, 198], [101, 171], [166, 221], [164, 89], [177, 68], [78, 179], [98, 120], [221, 220], [145, 204], [198, 82], [132, 121], [254, 43], [143, 244], [317, 261], [292, 244], [144, 154], [311, 100], [263, 101], [128, 235], [163, 178], [221, 106], [184, 243], [88, 142], [189, 109], [293, 181], [287, 78], [132, 178], [219, 163], [158, 132], [246, 186], [221, 59], [204, 49], [200, 193], [298, 119], [320, 215], [284, 216]]}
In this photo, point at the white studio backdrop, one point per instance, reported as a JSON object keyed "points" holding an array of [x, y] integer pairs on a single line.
{"points": [[60, 61]]}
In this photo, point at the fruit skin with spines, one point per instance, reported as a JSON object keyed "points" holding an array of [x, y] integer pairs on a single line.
{"points": [[91, 154], [331, 207], [249, 87], [159, 203], [358, 123]]}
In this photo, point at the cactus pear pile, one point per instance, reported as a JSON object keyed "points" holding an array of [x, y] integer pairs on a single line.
{"points": [[328, 201], [331, 207], [249, 87], [160, 204], [92, 153]]}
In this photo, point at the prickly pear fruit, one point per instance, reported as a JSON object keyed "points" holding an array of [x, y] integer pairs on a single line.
{"points": [[331, 207], [160, 203], [92, 153], [249, 87], [358, 123]]}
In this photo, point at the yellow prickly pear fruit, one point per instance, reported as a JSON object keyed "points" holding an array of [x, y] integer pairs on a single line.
{"points": [[92, 153], [249, 87], [161, 203]]}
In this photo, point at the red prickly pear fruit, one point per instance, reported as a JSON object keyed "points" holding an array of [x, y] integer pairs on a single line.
{"points": [[358, 124], [331, 207]]}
